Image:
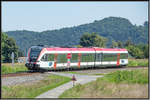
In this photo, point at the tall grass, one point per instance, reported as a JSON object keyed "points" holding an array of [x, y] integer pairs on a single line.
{"points": [[120, 84], [8, 68], [31, 90], [134, 76], [138, 62]]}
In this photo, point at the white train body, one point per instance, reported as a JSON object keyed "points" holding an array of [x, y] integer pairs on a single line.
{"points": [[61, 58]]}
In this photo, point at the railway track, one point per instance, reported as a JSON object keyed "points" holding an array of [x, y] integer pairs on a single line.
{"points": [[19, 74], [24, 73]]}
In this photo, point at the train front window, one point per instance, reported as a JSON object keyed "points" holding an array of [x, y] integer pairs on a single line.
{"points": [[34, 54]]}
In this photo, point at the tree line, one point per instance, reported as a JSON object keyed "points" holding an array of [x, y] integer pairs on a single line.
{"points": [[94, 40], [8, 45]]}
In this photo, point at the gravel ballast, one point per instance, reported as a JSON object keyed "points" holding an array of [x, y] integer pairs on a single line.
{"points": [[8, 81]]}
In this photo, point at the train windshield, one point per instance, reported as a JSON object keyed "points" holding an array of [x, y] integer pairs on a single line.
{"points": [[34, 54]]}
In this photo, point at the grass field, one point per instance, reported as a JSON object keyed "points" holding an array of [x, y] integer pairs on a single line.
{"points": [[8, 68], [119, 84], [31, 90], [137, 62]]}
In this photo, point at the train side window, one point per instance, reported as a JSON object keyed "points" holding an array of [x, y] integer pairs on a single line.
{"points": [[74, 57], [91, 57], [110, 57], [83, 57], [48, 57], [61, 58], [87, 57]]}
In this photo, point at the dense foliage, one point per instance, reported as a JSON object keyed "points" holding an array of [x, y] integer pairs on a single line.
{"points": [[112, 28], [8, 45], [93, 39]]}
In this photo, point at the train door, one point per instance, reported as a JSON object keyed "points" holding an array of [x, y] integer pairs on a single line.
{"points": [[98, 60]]}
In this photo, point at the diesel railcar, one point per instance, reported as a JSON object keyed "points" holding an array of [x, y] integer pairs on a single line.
{"points": [[47, 58]]}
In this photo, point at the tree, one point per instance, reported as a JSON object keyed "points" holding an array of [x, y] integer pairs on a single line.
{"points": [[146, 53], [92, 39], [85, 40], [128, 42], [100, 41], [20, 53], [8, 46], [3, 39], [135, 51], [114, 44], [120, 45]]}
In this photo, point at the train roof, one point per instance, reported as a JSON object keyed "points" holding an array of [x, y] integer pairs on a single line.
{"points": [[85, 49]]}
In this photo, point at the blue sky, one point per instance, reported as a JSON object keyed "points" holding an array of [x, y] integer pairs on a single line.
{"points": [[42, 16]]}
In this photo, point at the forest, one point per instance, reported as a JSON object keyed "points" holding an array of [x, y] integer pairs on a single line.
{"points": [[113, 29]]}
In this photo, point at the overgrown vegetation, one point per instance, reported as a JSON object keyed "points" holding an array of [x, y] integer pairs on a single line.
{"points": [[137, 62], [134, 76], [31, 90], [119, 84], [8, 68]]}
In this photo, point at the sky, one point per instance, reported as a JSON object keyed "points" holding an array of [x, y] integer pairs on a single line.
{"points": [[42, 16]]}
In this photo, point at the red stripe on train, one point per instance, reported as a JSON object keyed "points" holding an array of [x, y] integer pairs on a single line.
{"points": [[84, 49]]}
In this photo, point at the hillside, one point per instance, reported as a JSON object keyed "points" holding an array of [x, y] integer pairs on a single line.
{"points": [[113, 28]]}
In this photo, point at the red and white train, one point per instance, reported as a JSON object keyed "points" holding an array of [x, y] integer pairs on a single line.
{"points": [[47, 58]]}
